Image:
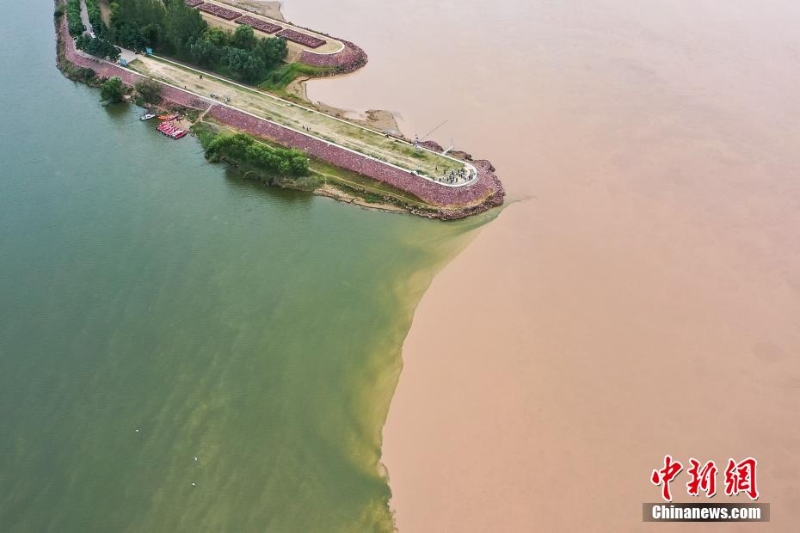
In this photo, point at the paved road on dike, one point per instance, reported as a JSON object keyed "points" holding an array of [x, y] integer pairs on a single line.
{"points": [[363, 140]]}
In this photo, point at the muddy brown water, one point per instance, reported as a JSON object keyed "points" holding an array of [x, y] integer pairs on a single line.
{"points": [[641, 291]]}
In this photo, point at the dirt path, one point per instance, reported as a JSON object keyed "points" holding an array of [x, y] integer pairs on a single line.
{"points": [[85, 18]]}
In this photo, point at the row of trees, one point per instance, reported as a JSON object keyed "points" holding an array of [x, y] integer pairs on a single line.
{"points": [[97, 46], [95, 17], [74, 22], [112, 90], [175, 29], [243, 149]]}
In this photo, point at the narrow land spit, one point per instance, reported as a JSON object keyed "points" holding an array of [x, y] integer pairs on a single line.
{"points": [[362, 140]]}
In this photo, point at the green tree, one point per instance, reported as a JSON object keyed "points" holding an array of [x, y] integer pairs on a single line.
{"points": [[184, 26], [241, 148], [97, 47], [149, 90], [205, 53], [112, 90], [137, 23], [74, 23], [218, 36], [244, 38], [95, 18], [272, 51], [248, 66], [152, 34], [175, 29]]}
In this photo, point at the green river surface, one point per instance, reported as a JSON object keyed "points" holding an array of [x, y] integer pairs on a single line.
{"points": [[155, 308]]}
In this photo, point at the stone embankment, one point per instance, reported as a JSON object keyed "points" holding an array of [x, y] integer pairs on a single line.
{"points": [[446, 202], [483, 193], [104, 69], [345, 61]]}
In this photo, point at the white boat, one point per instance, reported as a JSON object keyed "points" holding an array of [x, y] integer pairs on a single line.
{"points": [[147, 116]]}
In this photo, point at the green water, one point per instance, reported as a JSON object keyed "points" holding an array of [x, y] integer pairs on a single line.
{"points": [[142, 288]]}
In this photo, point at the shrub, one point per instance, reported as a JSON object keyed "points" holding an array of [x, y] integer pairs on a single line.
{"points": [[112, 90], [149, 90], [98, 47], [74, 23], [243, 149]]}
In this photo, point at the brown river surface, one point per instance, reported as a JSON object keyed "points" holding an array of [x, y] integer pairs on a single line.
{"points": [[640, 293]]}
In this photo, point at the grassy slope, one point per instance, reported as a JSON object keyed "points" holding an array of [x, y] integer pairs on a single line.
{"points": [[280, 78]]}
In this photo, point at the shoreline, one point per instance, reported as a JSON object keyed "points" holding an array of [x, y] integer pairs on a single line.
{"points": [[436, 200]]}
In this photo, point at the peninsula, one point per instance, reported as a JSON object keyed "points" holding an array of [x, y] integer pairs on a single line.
{"points": [[228, 68]]}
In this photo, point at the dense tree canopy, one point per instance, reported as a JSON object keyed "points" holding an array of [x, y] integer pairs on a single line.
{"points": [[272, 52], [98, 47], [95, 18], [244, 37], [244, 149], [172, 28], [246, 65], [149, 90], [112, 90], [74, 23]]}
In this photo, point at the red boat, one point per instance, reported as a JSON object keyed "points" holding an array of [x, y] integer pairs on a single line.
{"points": [[171, 130]]}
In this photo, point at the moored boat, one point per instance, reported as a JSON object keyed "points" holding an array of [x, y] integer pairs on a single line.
{"points": [[171, 130], [147, 116]]}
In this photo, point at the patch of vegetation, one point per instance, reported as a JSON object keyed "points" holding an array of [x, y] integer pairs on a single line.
{"points": [[280, 78], [98, 47], [299, 183], [346, 181], [149, 90], [95, 19], [112, 90], [81, 74], [74, 23], [192, 114], [205, 132], [243, 148], [257, 160], [174, 29], [59, 11]]}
